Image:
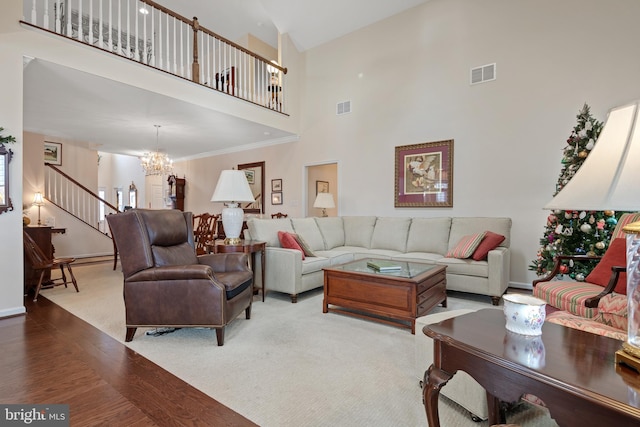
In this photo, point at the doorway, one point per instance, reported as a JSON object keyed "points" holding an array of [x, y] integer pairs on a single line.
{"points": [[321, 177]]}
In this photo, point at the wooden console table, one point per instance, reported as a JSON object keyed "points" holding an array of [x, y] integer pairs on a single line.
{"points": [[577, 380], [247, 247]]}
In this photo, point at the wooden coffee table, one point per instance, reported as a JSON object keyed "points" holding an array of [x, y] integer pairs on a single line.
{"points": [[577, 377], [395, 297]]}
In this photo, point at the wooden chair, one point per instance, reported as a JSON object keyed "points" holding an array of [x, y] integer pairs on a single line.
{"points": [[204, 226], [279, 215], [40, 262]]}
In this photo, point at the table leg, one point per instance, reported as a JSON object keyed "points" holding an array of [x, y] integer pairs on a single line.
{"points": [[434, 379]]}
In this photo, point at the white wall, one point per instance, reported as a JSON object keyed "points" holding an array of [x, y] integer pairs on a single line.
{"points": [[409, 84]]}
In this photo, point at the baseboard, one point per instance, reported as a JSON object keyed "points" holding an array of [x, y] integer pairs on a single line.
{"points": [[12, 312], [520, 285]]}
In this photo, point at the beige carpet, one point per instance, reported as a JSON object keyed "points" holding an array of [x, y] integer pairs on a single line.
{"points": [[290, 364]]}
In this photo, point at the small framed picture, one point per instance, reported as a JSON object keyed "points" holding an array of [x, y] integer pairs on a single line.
{"points": [[322, 187], [276, 185], [251, 176], [53, 153], [276, 198]]}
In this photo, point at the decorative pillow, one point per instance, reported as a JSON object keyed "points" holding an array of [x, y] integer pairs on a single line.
{"points": [[466, 246], [289, 242], [616, 255], [306, 249], [489, 243]]}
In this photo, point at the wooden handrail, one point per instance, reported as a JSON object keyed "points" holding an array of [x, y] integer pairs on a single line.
{"points": [[197, 27], [90, 192]]}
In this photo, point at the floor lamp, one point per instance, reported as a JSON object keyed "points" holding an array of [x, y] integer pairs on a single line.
{"points": [[609, 180], [231, 189]]}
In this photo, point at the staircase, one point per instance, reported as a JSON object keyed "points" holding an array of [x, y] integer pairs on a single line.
{"points": [[77, 200]]}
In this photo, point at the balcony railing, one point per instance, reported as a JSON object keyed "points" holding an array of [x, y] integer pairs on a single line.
{"points": [[148, 33]]}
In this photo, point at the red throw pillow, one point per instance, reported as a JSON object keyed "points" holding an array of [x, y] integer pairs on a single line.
{"points": [[289, 242], [616, 255], [490, 242]]}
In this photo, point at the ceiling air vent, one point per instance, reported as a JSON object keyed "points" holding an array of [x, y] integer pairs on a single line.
{"points": [[483, 74], [343, 108]]}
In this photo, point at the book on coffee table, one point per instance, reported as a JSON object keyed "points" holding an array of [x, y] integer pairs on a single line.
{"points": [[382, 265]]}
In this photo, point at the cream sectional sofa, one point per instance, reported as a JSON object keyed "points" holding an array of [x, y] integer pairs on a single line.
{"points": [[336, 240]]}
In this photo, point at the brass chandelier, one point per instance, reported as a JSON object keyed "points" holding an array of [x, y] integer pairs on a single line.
{"points": [[157, 163]]}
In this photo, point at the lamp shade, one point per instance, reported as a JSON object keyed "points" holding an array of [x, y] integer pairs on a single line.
{"points": [[38, 200], [232, 186], [324, 201], [609, 178]]}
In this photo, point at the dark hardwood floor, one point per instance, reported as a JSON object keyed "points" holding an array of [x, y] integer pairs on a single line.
{"points": [[50, 356]]}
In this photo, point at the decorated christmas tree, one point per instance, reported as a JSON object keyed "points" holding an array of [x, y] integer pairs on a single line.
{"points": [[575, 232]]}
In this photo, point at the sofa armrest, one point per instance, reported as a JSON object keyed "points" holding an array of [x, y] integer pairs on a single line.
{"points": [[499, 260], [283, 269], [558, 262]]}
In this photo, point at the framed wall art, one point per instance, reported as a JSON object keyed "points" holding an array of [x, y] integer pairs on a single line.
{"points": [[322, 187], [53, 153], [424, 175], [276, 198], [276, 185]]}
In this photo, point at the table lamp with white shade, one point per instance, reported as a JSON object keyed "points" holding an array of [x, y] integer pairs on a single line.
{"points": [[609, 179], [324, 201], [232, 188]]}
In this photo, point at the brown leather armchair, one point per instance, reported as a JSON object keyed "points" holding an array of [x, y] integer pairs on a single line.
{"points": [[166, 284]]}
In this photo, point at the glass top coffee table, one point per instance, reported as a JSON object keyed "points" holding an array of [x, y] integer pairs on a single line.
{"points": [[395, 297]]}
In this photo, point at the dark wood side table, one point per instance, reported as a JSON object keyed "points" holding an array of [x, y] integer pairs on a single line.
{"points": [[575, 374], [247, 247]]}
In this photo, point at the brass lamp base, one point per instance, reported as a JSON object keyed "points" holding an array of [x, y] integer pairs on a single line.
{"points": [[234, 241], [629, 356]]}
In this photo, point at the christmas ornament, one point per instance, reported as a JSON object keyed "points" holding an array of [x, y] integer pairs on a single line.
{"points": [[600, 224], [567, 214], [600, 245], [580, 251], [591, 253], [592, 219], [564, 269], [558, 229], [583, 214], [568, 231], [583, 154], [585, 228], [588, 126], [580, 277], [590, 144], [612, 221], [609, 213]]}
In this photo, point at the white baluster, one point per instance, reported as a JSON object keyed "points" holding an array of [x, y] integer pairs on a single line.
{"points": [[58, 12], [90, 29], [45, 23], [181, 50], [128, 35], [80, 29], [153, 48], [136, 46], [159, 56], [34, 15], [175, 64], [110, 35], [68, 12], [100, 23]]}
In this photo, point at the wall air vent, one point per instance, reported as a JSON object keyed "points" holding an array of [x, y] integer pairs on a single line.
{"points": [[343, 108], [483, 74]]}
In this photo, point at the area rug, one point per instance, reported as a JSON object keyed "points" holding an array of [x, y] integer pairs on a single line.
{"points": [[290, 364]]}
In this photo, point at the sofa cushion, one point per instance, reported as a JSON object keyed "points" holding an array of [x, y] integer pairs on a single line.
{"points": [[288, 241], [307, 228], [429, 235], [266, 230], [358, 230], [336, 257], [463, 226], [313, 264], [466, 246], [616, 255], [568, 296], [465, 267], [426, 257], [391, 233], [332, 230], [490, 242]]}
